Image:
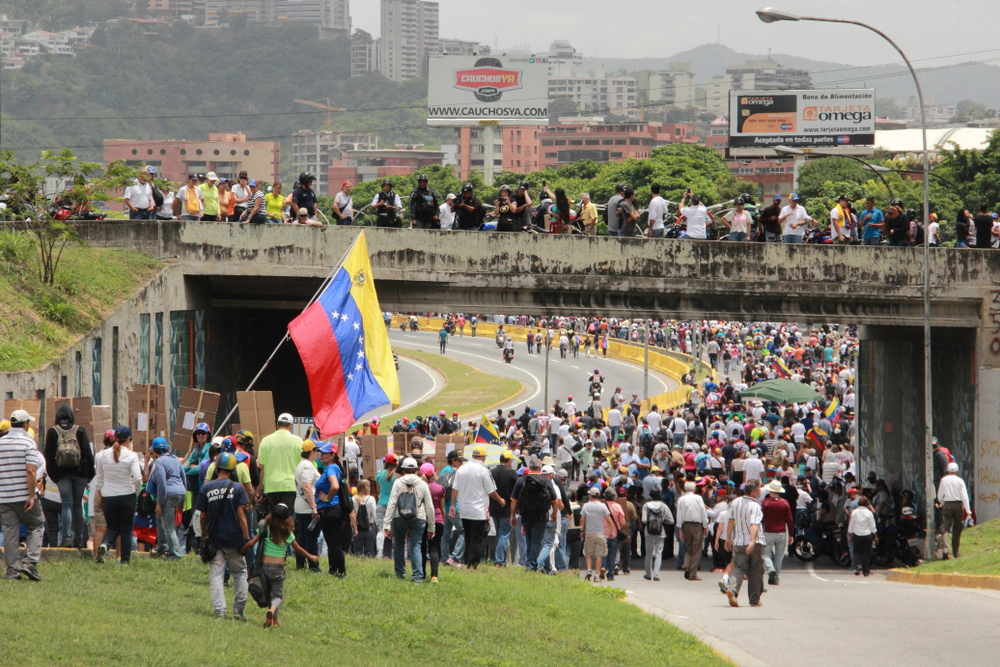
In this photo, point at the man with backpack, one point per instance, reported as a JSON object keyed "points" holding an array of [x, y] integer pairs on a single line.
{"points": [[424, 207], [470, 493], [533, 498], [656, 518], [189, 204], [69, 461], [452, 543], [410, 512], [224, 525]]}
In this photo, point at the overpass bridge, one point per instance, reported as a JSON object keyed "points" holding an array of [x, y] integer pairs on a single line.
{"points": [[241, 285]]}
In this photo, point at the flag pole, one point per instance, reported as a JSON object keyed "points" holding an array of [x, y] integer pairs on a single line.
{"points": [[322, 287]]}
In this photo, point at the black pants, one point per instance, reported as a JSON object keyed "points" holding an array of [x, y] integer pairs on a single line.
{"points": [[307, 539], [863, 551], [432, 550], [625, 556], [475, 533], [329, 523], [53, 513], [119, 512], [286, 498], [668, 540], [720, 557]]}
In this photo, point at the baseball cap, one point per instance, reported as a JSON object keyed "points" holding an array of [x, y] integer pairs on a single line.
{"points": [[329, 448], [345, 183], [281, 511], [20, 416], [479, 450], [794, 197], [150, 169], [123, 433], [211, 176], [160, 445], [561, 473], [409, 463], [453, 455], [952, 467], [594, 491], [391, 458], [506, 455], [285, 418], [777, 197], [427, 469], [192, 176], [252, 183], [548, 470], [303, 212], [308, 445], [451, 195]]}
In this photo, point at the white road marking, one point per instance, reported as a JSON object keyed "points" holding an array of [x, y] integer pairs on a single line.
{"points": [[812, 572], [427, 395]]}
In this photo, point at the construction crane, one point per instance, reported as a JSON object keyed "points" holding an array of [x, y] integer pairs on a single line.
{"points": [[326, 107]]}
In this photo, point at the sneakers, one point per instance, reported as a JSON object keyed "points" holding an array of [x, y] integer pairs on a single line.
{"points": [[434, 580], [770, 579], [240, 616], [67, 543], [603, 572], [30, 572], [102, 552], [220, 613], [590, 575], [722, 586], [451, 561], [733, 602], [647, 577], [757, 604], [656, 578]]}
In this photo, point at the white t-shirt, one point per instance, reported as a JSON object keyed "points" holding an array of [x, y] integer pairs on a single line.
{"points": [[345, 203], [447, 216], [654, 420], [141, 196], [695, 216], [753, 469], [554, 424], [306, 474], [182, 196], [798, 432], [679, 426], [934, 233], [240, 192], [614, 417], [474, 485], [657, 209], [167, 210], [798, 215]]}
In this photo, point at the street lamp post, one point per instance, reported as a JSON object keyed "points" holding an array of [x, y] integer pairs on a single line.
{"points": [[771, 15]]}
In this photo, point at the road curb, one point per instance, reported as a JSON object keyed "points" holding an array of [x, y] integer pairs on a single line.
{"points": [[729, 651], [953, 580]]}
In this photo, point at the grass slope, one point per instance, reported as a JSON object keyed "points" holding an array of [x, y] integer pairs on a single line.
{"points": [[468, 390], [160, 614], [41, 321], [980, 553]]}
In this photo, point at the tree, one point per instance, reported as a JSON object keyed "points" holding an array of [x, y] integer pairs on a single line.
{"points": [[967, 110], [239, 22], [978, 171], [222, 16], [887, 107], [28, 206], [562, 106]]}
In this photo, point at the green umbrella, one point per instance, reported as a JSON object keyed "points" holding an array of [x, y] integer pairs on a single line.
{"points": [[782, 390]]}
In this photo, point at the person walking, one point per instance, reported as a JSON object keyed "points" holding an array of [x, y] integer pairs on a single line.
{"points": [[432, 541], [307, 526], [332, 513], [279, 455], [18, 472], [222, 503], [692, 517], [364, 509], [505, 478], [118, 479], [862, 533], [953, 496], [406, 516], [69, 460], [473, 487], [532, 498], [779, 530], [595, 544], [171, 491], [655, 517], [442, 339], [745, 539], [384, 479]]}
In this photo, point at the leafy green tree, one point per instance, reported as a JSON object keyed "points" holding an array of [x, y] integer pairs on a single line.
{"points": [[967, 110], [888, 107], [978, 171], [28, 206]]}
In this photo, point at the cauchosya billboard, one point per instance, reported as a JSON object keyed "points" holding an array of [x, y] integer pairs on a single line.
{"points": [[467, 89], [802, 118]]}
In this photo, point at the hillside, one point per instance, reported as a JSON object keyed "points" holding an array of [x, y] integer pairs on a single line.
{"points": [[980, 82], [186, 83]]}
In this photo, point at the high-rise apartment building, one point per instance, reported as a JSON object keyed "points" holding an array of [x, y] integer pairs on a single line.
{"points": [[673, 87], [409, 36], [364, 53], [597, 93], [315, 151], [753, 75], [332, 17]]}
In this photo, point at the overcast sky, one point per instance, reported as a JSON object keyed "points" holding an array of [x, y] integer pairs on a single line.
{"points": [[625, 28]]}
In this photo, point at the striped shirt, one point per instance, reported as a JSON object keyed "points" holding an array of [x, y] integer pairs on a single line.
{"points": [[17, 451], [746, 512]]}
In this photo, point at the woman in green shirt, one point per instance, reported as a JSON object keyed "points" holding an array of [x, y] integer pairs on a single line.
{"points": [[275, 204]]}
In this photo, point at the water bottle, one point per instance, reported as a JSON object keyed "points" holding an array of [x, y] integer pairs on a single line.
{"points": [[312, 524]]}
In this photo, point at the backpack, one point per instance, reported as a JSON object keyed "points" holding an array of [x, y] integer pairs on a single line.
{"points": [[362, 517], [425, 203], [68, 448], [655, 524], [535, 502], [446, 480], [406, 504], [191, 203], [703, 464], [157, 195]]}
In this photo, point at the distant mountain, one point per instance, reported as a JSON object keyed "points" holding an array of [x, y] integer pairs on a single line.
{"points": [[944, 85]]}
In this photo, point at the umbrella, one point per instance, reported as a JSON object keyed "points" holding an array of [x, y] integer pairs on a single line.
{"points": [[782, 390]]}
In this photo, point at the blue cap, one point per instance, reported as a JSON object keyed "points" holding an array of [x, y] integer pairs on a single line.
{"points": [[150, 169], [777, 196], [252, 183], [328, 448], [202, 427], [160, 445], [123, 433], [229, 444], [794, 197]]}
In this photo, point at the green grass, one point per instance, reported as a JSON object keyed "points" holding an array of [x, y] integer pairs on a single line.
{"points": [[980, 553], [468, 390], [41, 321], [154, 613]]}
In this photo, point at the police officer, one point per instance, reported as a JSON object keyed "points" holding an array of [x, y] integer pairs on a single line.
{"points": [[387, 206], [303, 195], [468, 211], [424, 207]]}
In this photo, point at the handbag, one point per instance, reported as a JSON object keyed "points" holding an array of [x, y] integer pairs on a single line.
{"points": [[258, 585], [208, 548], [621, 535]]}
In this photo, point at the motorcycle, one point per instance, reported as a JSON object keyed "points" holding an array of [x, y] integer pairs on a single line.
{"points": [[413, 325], [821, 538], [501, 339], [900, 540], [508, 354]]}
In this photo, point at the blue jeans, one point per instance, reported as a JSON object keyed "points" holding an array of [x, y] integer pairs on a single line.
{"points": [[346, 220], [775, 547], [681, 548], [772, 237], [448, 550], [71, 493], [522, 544], [961, 244], [658, 233], [792, 238], [307, 539], [611, 559], [409, 534], [534, 535], [141, 215], [562, 551], [612, 232], [737, 236], [901, 243], [503, 536], [548, 539], [874, 241], [166, 531]]}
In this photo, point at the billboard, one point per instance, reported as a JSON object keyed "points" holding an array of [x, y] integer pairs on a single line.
{"points": [[802, 118], [463, 90]]}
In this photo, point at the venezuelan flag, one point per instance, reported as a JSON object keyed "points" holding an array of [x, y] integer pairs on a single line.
{"points": [[487, 432], [816, 435], [780, 368], [833, 410], [344, 347]]}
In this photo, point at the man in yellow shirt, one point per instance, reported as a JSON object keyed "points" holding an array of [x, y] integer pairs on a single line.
{"points": [[588, 214], [210, 192]]}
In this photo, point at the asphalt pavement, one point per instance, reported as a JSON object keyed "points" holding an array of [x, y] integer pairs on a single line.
{"points": [[822, 614]]}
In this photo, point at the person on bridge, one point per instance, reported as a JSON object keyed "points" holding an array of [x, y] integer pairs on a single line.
{"points": [[953, 497], [386, 205], [794, 219], [424, 207]]}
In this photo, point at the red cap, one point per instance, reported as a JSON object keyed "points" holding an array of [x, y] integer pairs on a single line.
{"points": [[391, 458]]}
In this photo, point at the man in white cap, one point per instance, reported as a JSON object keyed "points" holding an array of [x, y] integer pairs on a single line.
{"points": [[953, 497], [779, 530], [18, 482], [279, 455]]}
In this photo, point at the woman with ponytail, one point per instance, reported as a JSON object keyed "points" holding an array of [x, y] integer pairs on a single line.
{"points": [[118, 479]]}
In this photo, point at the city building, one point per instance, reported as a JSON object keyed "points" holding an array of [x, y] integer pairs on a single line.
{"points": [[409, 34], [673, 87], [359, 166], [12, 27], [315, 151], [332, 17], [753, 75], [936, 113], [225, 154], [458, 47], [562, 59], [771, 176], [53, 42], [597, 93], [364, 53], [718, 135]]}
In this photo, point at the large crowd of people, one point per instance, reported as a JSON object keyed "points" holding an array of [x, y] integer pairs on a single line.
{"points": [[586, 487]]}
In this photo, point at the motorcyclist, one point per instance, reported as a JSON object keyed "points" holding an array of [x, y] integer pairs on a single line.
{"points": [[424, 206], [387, 206], [508, 350]]}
